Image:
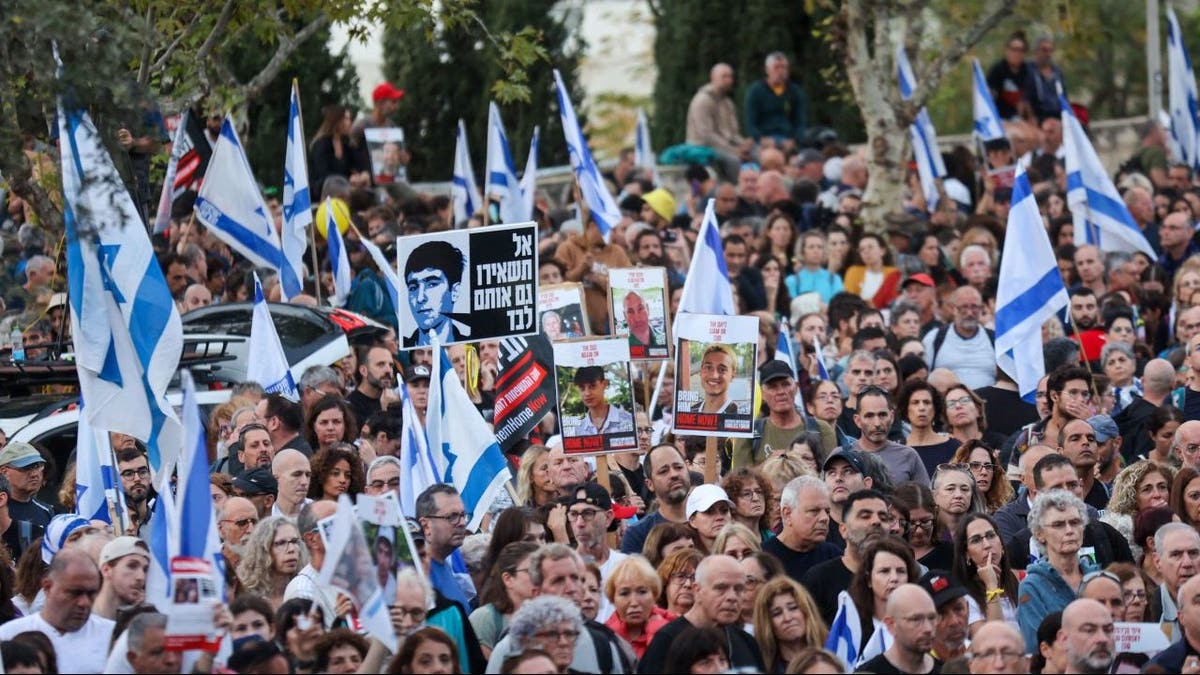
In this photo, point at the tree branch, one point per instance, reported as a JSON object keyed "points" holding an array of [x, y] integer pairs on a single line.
{"points": [[218, 28], [167, 53], [143, 76], [655, 10], [931, 76], [286, 47]]}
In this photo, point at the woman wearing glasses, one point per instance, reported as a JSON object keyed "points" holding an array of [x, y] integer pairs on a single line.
{"points": [[980, 564], [984, 464], [923, 530], [678, 576], [1133, 592], [508, 589], [1057, 520], [1140, 486], [273, 555], [548, 623], [964, 417], [918, 405], [750, 492]]}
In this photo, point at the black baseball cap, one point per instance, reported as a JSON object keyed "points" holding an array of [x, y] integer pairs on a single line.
{"points": [[942, 587], [256, 482], [415, 373], [589, 374], [594, 494], [852, 457], [773, 370]]}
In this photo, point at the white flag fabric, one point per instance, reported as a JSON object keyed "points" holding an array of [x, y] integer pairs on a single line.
{"points": [[502, 183], [297, 204], [1181, 97], [988, 125], [417, 468], [266, 362], [339, 259], [930, 166], [529, 178], [179, 145], [391, 280], [1099, 212], [595, 193], [198, 537], [96, 480], [707, 290], [126, 329], [464, 193], [845, 633], [349, 567], [462, 445], [1030, 290], [643, 152]]}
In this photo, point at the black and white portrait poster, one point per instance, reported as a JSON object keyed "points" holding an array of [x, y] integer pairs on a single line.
{"points": [[595, 396], [714, 374], [469, 285], [525, 387], [385, 145], [562, 314], [638, 297]]}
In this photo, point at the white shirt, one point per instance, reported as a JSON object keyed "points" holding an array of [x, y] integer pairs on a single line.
{"points": [[617, 421], [606, 607], [84, 651], [306, 585], [276, 512], [972, 359]]}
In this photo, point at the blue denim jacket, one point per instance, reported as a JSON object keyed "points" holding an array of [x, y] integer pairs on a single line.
{"points": [[1043, 592]]}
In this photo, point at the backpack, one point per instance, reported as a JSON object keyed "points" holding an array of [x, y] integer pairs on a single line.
{"points": [[940, 337]]}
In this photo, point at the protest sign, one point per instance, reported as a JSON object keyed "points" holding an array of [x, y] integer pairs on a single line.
{"points": [[350, 568], [715, 359], [638, 297], [561, 312], [1142, 638], [595, 396], [386, 533], [193, 595], [469, 285], [525, 387], [385, 145]]}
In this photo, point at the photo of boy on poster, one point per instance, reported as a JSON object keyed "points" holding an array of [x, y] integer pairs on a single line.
{"points": [[595, 396], [715, 357]]}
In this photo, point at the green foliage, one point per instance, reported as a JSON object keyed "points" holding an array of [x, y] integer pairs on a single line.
{"points": [[459, 72], [617, 393], [693, 35]]}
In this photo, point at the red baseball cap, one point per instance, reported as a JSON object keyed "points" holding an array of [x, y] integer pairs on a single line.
{"points": [[387, 92], [920, 278]]}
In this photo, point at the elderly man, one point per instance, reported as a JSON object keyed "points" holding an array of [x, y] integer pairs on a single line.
{"points": [[712, 122], [1105, 588], [804, 508], [910, 617], [1087, 630], [719, 586], [1011, 517], [147, 641], [292, 472], [383, 476], [1177, 548], [950, 598], [776, 108], [976, 266], [1184, 654], [197, 296], [1158, 379], [80, 637], [997, 648], [965, 346], [566, 471], [783, 422]]}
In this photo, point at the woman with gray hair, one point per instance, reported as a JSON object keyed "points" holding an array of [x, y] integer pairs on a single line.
{"points": [[1057, 520], [548, 623], [1120, 364], [274, 554]]}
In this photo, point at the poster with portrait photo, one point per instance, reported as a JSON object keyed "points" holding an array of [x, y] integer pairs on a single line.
{"points": [[562, 314], [715, 359], [385, 145], [638, 298], [595, 396], [468, 285]]}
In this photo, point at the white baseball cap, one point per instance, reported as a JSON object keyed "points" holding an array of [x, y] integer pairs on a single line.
{"points": [[704, 497]]}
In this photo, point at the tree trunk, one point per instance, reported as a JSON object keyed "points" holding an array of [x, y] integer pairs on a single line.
{"points": [[887, 153]]}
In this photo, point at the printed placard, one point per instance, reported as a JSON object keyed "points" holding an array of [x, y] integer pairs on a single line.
{"points": [[193, 592], [638, 300], [715, 359], [388, 538], [595, 396], [1142, 638], [562, 314], [385, 145], [525, 387], [469, 285]]}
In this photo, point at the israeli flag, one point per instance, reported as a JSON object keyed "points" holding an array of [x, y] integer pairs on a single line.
{"points": [[164, 545], [1030, 291], [463, 191], [822, 370], [707, 290], [390, 278], [783, 346], [591, 184], [462, 446], [643, 152], [266, 362], [232, 207], [297, 204], [98, 491], [126, 329], [1181, 97], [198, 537], [988, 125], [339, 260], [417, 467], [1097, 208], [502, 183], [529, 178], [930, 167], [845, 633]]}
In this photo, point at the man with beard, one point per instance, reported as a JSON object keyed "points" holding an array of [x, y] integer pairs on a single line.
{"points": [[1185, 652], [845, 472], [667, 478], [443, 519], [720, 583], [804, 509], [306, 582], [134, 470], [874, 417], [911, 619], [950, 598], [592, 515], [236, 519], [123, 565], [283, 420], [1087, 629], [965, 346], [255, 449], [376, 380], [1085, 317], [865, 514]]}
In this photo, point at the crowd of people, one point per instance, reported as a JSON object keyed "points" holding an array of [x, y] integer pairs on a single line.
{"points": [[899, 508]]}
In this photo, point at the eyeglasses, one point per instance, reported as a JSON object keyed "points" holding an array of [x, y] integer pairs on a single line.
{"points": [[751, 494], [242, 523], [684, 578], [584, 514], [828, 396], [140, 473], [284, 544], [1130, 596], [922, 524], [1005, 655], [959, 402], [416, 613], [982, 466], [569, 635], [645, 430], [990, 535], [379, 484], [459, 517]]}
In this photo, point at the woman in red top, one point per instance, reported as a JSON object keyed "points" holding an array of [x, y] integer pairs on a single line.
{"points": [[632, 588]]}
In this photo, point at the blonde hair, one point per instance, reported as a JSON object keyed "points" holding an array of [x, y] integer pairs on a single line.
{"points": [[784, 467], [737, 531], [815, 630], [637, 568], [529, 462]]}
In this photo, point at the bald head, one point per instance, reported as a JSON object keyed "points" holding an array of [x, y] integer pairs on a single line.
{"points": [[1082, 612], [1087, 628], [721, 77], [991, 642], [1158, 378], [715, 565], [942, 379], [70, 561], [323, 509], [286, 460], [909, 599], [1029, 459]]}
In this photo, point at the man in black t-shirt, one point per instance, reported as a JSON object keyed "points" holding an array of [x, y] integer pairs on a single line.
{"points": [[865, 513], [804, 507], [911, 618], [376, 380]]}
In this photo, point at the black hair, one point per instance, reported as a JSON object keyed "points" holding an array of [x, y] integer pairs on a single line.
{"points": [[693, 645], [861, 495], [438, 255]]}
